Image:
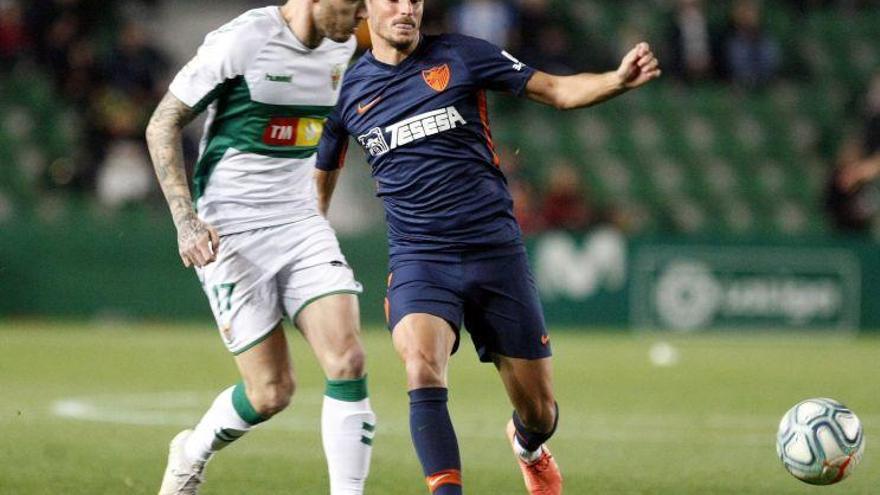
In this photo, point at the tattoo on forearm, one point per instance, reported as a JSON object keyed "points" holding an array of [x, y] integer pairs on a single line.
{"points": [[166, 151]]}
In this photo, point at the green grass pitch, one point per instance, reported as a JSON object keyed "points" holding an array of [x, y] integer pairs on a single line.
{"points": [[90, 409]]}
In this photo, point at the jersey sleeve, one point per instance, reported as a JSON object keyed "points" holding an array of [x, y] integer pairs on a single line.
{"points": [[333, 145], [492, 67], [224, 55]]}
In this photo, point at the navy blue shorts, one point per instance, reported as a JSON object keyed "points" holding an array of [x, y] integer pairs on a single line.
{"points": [[494, 295]]}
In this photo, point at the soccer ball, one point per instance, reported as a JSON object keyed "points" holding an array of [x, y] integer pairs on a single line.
{"points": [[820, 441]]}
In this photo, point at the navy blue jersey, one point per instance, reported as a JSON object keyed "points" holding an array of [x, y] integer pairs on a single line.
{"points": [[424, 126]]}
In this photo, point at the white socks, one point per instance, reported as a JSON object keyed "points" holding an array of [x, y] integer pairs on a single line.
{"points": [[219, 427], [347, 427]]}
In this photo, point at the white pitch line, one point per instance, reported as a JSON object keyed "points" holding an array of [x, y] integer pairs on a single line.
{"points": [[185, 408]]}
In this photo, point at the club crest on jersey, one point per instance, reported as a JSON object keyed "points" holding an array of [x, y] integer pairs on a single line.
{"points": [[437, 77], [411, 129], [336, 75], [226, 333]]}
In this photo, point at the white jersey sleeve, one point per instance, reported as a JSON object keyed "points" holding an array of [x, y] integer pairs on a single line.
{"points": [[224, 55]]}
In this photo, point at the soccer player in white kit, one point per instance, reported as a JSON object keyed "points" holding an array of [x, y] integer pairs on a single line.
{"points": [[253, 229]]}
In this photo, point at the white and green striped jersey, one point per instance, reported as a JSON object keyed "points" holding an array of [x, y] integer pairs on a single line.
{"points": [[267, 96]]}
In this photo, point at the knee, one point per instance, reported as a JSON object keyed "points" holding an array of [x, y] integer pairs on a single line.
{"points": [[424, 370], [348, 364], [271, 398], [424, 343], [540, 415]]}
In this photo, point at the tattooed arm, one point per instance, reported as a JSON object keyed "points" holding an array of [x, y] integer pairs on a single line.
{"points": [[197, 241]]}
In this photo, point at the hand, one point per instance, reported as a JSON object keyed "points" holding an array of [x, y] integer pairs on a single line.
{"points": [[638, 67], [197, 242], [854, 175]]}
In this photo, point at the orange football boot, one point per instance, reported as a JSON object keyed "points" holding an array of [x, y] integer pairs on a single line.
{"points": [[542, 476]]}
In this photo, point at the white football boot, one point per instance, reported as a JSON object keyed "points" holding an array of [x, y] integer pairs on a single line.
{"points": [[182, 476]]}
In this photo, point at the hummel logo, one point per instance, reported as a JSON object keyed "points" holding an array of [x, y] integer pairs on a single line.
{"points": [[362, 109], [282, 79]]}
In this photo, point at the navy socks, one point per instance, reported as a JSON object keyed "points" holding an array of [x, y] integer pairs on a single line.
{"points": [[434, 440], [531, 440]]}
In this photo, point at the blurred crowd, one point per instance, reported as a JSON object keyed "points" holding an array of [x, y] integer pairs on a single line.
{"points": [[851, 197], [739, 51], [102, 63]]}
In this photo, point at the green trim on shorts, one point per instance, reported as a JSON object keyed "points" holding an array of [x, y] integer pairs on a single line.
{"points": [[243, 406], [354, 390], [259, 339], [310, 301]]}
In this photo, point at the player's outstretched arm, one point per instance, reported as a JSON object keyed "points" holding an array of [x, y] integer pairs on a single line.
{"points": [[637, 68], [197, 241], [325, 184]]}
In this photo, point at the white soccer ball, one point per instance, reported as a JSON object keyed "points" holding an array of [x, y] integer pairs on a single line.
{"points": [[820, 441]]}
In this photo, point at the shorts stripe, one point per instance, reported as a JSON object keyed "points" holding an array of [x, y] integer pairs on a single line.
{"points": [[310, 301], [259, 339]]}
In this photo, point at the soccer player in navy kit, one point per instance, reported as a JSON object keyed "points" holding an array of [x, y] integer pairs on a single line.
{"points": [[417, 106]]}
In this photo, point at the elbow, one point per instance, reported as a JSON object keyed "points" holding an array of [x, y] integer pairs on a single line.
{"points": [[548, 90], [563, 103], [151, 132], [561, 98], [158, 131], [558, 98]]}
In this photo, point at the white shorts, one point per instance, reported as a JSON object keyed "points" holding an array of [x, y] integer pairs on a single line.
{"points": [[264, 274]]}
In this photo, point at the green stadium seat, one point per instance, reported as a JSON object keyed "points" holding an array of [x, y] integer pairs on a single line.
{"points": [[689, 216], [737, 216], [719, 176], [771, 178], [790, 217], [701, 134], [592, 132], [613, 178], [647, 134]]}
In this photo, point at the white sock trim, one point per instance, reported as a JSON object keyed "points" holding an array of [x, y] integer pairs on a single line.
{"points": [[529, 456]]}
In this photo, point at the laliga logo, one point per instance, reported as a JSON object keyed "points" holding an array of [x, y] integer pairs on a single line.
{"points": [[688, 295], [692, 294], [412, 129]]}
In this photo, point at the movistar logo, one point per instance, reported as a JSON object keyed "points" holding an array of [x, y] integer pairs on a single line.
{"points": [[411, 129], [281, 79]]}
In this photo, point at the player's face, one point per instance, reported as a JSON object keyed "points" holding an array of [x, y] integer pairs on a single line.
{"points": [[338, 19], [396, 21]]}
